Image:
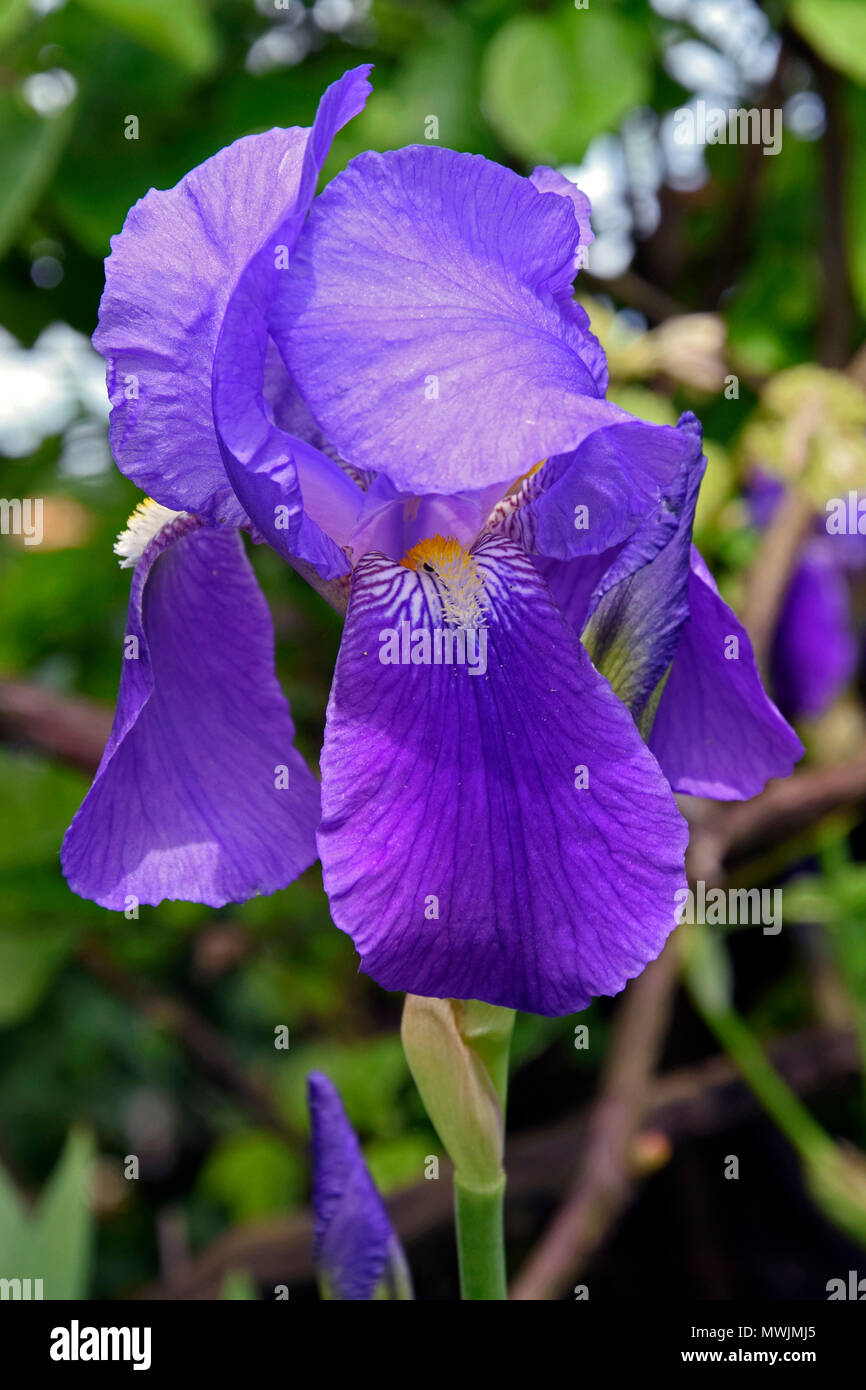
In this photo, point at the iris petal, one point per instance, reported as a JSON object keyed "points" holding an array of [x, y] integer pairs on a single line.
{"points": [[638, 608], [167, 283], [423, 320], [716, 732], [200, 794], [596, 496], [354, 1244], [299, 498], [460, 848]]}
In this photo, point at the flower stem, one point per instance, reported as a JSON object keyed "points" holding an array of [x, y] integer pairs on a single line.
{"points": [[480, 1240], [774, 1094]]}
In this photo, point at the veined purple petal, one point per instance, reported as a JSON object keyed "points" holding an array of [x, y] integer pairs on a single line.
{"points": [[814, 651], [548, 180], [572, 583], [629, 601], [169, 280], [423, 321], [461, 848], [299, 498], [716, 731], [200, 793], [594, 498], [167, 283], [639, 606], [354, 1244]]}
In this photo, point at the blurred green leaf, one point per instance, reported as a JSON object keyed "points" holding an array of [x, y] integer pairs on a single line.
{"points": [[30, 147], [253, 1174], [181, 30], [238, 1287], [37, 804], [64, 1221], [30, 956], [836, 1180], [707, 967], [369, 1074], [648, 405], [399, 1162], [14, 15], [53, 1243], [550, 82], [856, 196], [836, 29]]}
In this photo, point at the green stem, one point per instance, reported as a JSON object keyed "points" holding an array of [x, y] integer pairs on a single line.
{"points": [[777, 1098], [480, 1241]]}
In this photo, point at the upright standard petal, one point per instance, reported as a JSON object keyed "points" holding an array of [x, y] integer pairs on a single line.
{"points": [[494, 828], [423, 321], [200, 793], [169, 279], [716, 731], [299, 498], [357, 1253], [167, 283]]}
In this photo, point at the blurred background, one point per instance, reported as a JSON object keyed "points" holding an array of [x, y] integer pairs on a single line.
{"points": [[723, 279]]}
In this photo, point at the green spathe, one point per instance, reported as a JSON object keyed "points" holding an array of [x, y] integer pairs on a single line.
{"points": [[457, 1051]]}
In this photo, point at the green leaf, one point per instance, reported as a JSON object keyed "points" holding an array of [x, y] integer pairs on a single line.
{"points": [[13, 1215], [38, 802], [64, 1224], [398, 1162], [707, 967], [238, 1285], [856, 197], [30, 956], [181, 30], [647, 405], [836, 29], [30, 147], [14, 15], [253, 1174], [55, 1242], [551, 82]]}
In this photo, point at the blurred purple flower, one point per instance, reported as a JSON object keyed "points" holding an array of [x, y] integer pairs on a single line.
{"points": [[363, 389], [814, 652], [357, 1253]]}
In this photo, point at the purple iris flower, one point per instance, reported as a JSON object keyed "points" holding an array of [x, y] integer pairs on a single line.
{"points": [[371, 382], [357, 1253], [814, 651]]}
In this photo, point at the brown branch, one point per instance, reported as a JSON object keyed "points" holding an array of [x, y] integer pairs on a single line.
{"points": [[602, 1184], [723, 832], [773, 566], [837, 309], [631, 289], [71, 728]]}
